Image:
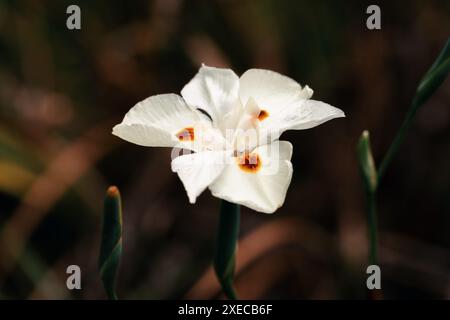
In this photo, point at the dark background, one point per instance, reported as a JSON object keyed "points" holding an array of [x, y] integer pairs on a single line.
{"points": [[62, 91]]}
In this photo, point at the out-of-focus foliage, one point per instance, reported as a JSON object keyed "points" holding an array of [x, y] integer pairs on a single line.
{"points": [[62, 91]]}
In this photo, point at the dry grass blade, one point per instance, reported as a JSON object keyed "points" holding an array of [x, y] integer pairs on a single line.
{"points": [[61, 173]]}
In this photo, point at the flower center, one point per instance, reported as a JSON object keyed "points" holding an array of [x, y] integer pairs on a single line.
{"points": [[186, 134], [262, 115], [249, 162]]}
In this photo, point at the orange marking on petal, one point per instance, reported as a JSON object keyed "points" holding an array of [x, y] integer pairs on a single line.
{"points": [[249, 162], [262, 115], [186, 134]]}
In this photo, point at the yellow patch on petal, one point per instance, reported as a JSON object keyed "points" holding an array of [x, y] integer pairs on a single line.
{"points": [[186, 134], [249, 162]]}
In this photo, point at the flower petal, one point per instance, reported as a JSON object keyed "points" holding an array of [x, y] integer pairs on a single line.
{"points": [[165, 121], [246, 134], [261, 186], [298, 115], [214, 90], [311, 113], [198, 170], [271, 90]]}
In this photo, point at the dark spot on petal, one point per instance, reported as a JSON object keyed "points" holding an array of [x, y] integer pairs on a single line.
{"points": [[262, 115]]}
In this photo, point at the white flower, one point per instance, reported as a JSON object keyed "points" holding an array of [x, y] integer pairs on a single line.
{"points": [[232, 124]]}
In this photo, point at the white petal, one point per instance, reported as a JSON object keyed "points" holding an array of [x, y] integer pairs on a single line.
{"points": [[263, 190], [300, 115], [230, 121], [246, 134], [271, 90], [214, 90], [198, 170], [312, 113], [157, 120]]}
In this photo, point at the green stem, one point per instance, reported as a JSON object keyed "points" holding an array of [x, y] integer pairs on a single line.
{"points": [[398, 140], [228, 289], [227, 236], [370, 178]]}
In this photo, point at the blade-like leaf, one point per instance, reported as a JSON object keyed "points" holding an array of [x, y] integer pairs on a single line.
{"points": [[366, 162], [443, 55], [224, 259], [434, 77], [111, 245]]}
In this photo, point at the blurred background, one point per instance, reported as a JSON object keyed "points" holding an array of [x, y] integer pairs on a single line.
{"points": [[62, 91]]}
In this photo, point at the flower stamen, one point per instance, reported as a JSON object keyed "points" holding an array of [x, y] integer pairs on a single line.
{"points": [[186, 134]]}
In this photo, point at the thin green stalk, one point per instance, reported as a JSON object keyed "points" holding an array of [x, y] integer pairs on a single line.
{"points": [[398, 140], [369, 176], [431, 81], [227, 236]]}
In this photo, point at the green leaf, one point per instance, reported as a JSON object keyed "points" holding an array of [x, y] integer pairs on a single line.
{"points": [[443, 55], [434, 77], [224, 259], [111, 245], [366, 162]]}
